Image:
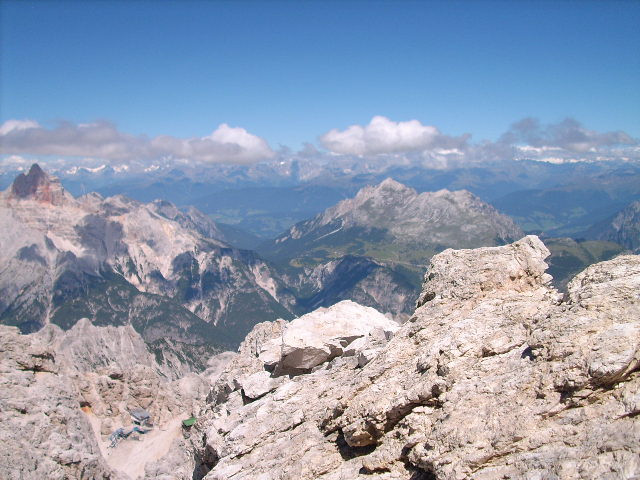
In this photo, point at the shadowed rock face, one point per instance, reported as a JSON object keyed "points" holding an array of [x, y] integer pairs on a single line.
{"points": [[27, 185], [37, 185], [624, 228]]}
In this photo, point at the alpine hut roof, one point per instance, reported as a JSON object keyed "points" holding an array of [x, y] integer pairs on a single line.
{"points": [[140, 414]]}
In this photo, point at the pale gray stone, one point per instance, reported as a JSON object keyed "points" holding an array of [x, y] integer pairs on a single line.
{"points": [[494, 376]]}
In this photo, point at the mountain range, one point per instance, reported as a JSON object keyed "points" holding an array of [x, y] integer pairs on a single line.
{"points": [[373, 248], [394, 223], [119, 261], [266, 198], [172, 275], [123, 306], [175, 276]]}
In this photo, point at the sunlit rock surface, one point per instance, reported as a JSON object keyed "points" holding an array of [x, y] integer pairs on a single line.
{"points": [[495, 376]]}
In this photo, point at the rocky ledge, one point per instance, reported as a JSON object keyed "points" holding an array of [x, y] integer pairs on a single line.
{"points": [[495, 376]]}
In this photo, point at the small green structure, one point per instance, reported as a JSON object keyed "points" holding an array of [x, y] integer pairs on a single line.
{"points": [[189, 422]]}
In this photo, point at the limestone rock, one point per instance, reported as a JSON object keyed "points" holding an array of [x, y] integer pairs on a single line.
{"points": [[463, 274], [322, 335], [259, 384], [118, 261], [624, 228], [90, 348], [63, 393], [495, 376], [36, 184], [44, 433], [444, 217]]}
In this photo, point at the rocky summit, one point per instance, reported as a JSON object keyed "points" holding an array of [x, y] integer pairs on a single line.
{"points": [[396, 216], [374, 247], [496, 375], [36, 184]]}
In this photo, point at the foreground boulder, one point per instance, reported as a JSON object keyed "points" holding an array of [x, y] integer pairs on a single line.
{"points": [[322, 335], [495, 376]]}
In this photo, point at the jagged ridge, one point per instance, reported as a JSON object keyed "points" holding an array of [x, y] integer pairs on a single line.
{"points": [[118, 261]]}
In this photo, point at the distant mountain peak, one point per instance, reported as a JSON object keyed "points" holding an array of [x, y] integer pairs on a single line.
{"points": [[623, 228], [27, 185], [387, 186], [397, 223], [37, 185], [387, 191], [391, 184]]}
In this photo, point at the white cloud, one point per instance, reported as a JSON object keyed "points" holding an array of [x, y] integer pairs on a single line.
{"points": [[382, 140], [227, 135], [225, 145], [381, 136], [104, 141], [566, 141], [12, 125]]}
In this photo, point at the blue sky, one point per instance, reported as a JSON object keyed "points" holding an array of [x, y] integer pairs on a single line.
{"points": [[289, 72]]}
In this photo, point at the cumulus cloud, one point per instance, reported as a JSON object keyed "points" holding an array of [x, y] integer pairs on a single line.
{"points": [[382, 141], [566, 141], [225, 145], [381, 135], [103, 140]]}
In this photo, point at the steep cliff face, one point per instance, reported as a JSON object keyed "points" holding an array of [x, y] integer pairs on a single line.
{"points": [[496, 375], [44, 433], [117, 261], [623, 228], [361, 279], [37, 185]]}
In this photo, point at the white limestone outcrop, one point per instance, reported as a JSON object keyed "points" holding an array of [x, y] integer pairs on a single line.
{"points": [[63, 393], [322, 335], [44, 433], [495, 376]]}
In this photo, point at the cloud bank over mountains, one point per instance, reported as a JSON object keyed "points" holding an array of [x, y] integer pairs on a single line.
{"points": [[103, 140], [569, 134], [566, 141]]}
